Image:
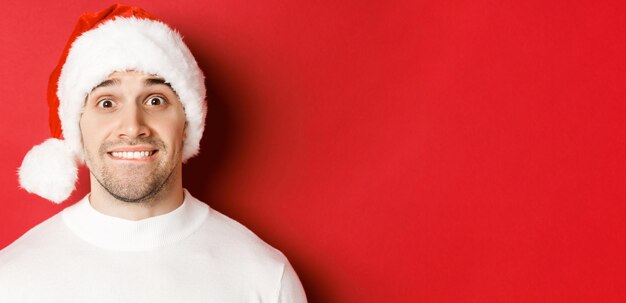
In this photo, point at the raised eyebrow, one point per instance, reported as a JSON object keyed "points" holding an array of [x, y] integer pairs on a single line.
{"points": [[158, 81], [109, 82]]}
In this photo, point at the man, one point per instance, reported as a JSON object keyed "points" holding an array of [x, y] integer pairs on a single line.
{"points": [[129, 99]]}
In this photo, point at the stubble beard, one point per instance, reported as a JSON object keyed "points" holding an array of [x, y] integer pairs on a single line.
{"points": [[132, 187]]}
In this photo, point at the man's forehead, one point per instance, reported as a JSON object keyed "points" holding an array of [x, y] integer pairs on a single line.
{"points": [[149, 79]]}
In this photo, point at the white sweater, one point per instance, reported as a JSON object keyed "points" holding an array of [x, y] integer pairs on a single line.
{"points": [[192, 254]]}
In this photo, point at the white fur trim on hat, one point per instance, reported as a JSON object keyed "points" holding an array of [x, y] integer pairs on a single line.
{"points": [[49, 170], [125, 44]]}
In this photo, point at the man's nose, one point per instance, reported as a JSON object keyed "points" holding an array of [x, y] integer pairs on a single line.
{"points": [[132, 122]]}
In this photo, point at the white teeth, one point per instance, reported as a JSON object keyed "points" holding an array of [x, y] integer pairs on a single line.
{"points": [[131, 155]]}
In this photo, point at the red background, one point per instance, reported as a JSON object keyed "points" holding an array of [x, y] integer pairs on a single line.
{"points": [[395, 151]]}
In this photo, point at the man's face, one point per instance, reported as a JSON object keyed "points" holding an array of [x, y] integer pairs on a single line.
{"points": [[133, 131]]}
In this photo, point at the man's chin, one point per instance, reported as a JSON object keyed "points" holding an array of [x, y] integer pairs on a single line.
{"points": [[130, 194]]}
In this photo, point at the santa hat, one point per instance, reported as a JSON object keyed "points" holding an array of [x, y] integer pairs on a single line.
{"points": [[119, 38]]}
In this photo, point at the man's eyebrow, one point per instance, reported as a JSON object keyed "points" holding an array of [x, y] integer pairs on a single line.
{"points": [[109, 82], [156, 81]]}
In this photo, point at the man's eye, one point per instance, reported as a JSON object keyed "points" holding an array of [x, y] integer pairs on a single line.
{"points": [[106, 103], [156, 101]]}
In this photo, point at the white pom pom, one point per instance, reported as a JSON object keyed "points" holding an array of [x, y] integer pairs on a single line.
{"points": [[49, 170]]}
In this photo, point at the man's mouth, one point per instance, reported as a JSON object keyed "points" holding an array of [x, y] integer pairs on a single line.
{"points": [[132, 155]]}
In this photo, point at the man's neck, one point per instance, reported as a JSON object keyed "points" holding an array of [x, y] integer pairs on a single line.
{"points": [[169, 197]]}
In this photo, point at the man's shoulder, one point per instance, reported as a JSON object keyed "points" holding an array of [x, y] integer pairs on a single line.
{"points": [[225, 236], [34, 238], [33, 247]]}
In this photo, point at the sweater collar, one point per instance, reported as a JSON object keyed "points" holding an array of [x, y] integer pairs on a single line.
{"points": [[119, 234]]}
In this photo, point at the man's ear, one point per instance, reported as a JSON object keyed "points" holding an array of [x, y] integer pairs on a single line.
{"points": [[185, 131], [80, 120], [81, 157]]}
